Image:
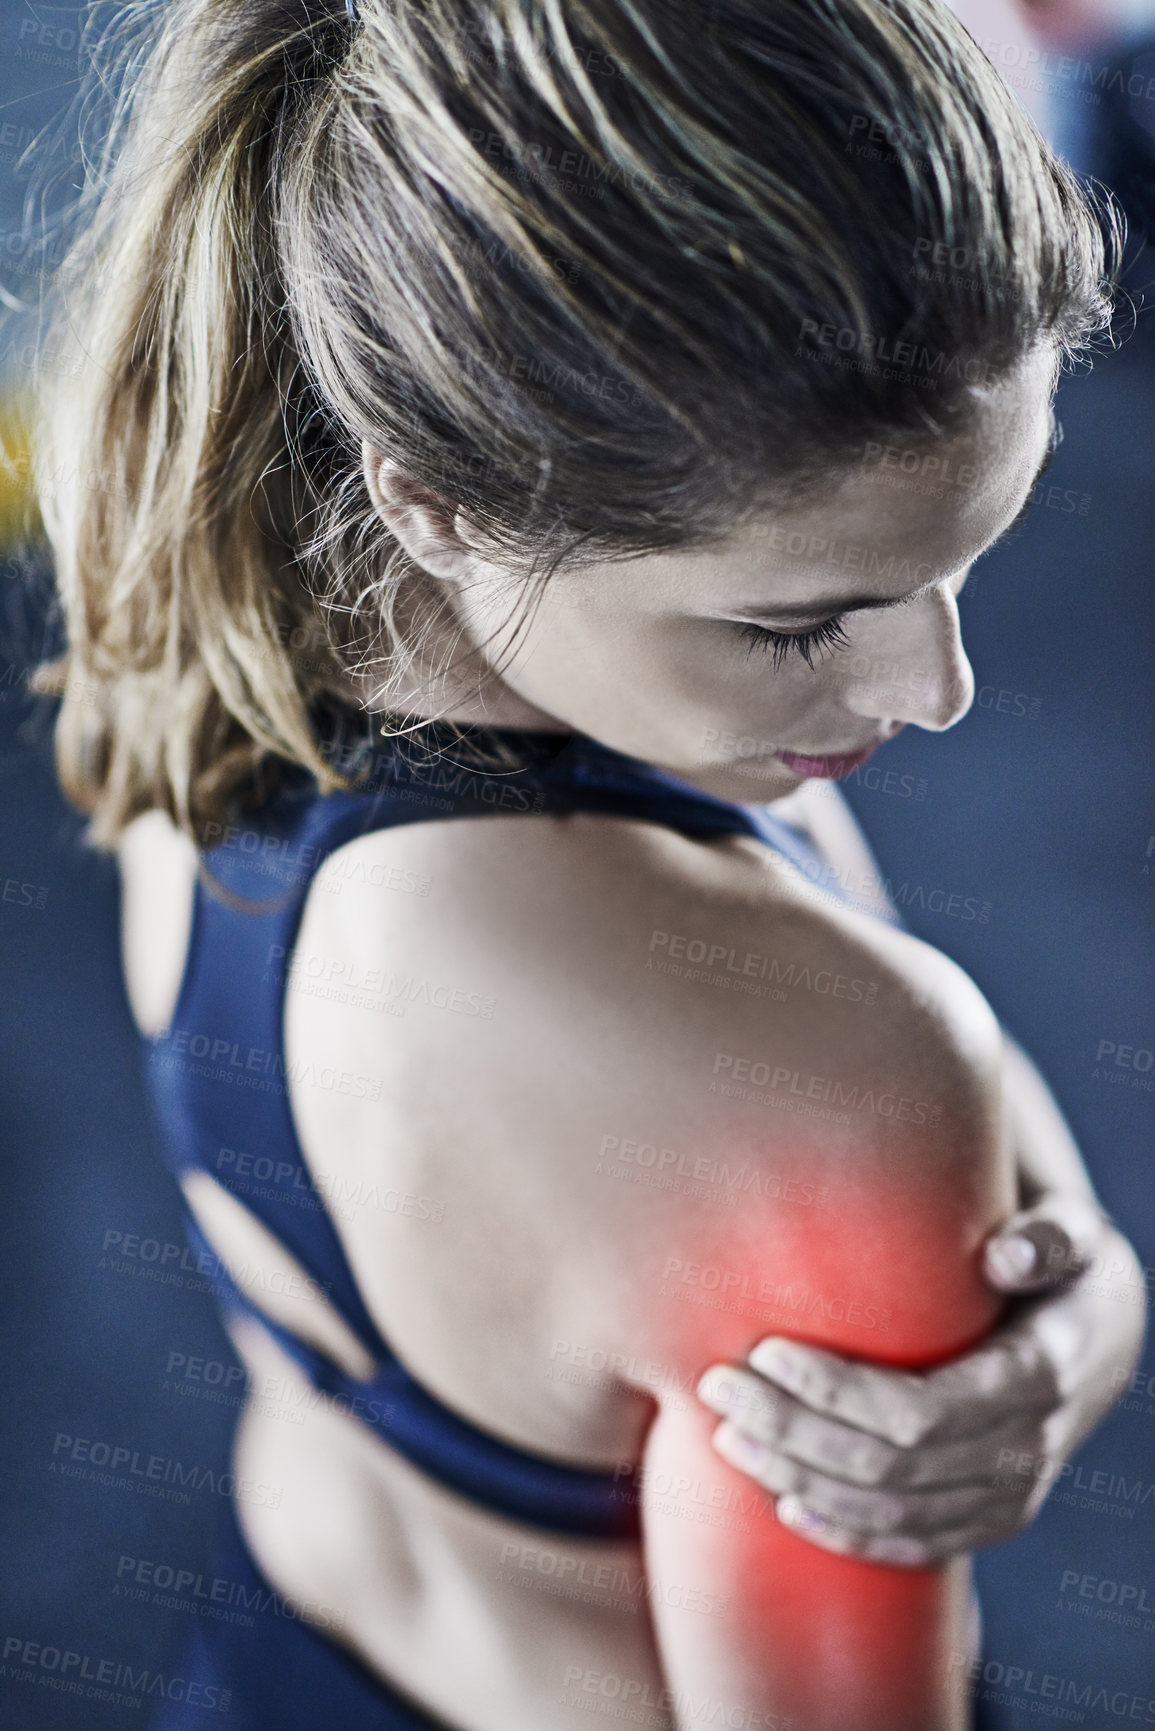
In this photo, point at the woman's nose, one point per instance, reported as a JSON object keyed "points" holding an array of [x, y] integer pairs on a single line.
{"points": [[908, 664]]}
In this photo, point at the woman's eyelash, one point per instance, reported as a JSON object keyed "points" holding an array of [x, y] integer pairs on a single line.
{"points": [[807, 644]]}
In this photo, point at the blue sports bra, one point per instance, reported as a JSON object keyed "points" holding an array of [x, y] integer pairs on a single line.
{"points": [[219, 1081]]}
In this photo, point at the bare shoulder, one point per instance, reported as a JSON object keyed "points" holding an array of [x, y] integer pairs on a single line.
{"points": [[640, 929], [158, 869], [632, 1055]]}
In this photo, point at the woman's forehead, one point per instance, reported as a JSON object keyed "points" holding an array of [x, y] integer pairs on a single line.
{"points": [[907, 515]]}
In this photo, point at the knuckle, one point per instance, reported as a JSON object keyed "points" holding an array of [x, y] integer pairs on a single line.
{"points": [[761, 1422], [912, 1425], [780, 1476], [883, 1466], [873, 1471], [817, 1388], [875, 1511]]}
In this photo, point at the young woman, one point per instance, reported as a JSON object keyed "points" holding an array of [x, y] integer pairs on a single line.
{"points": [[542, 448]]}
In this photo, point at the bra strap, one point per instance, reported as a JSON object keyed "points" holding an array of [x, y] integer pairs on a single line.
{"points": [[581, 1501]]}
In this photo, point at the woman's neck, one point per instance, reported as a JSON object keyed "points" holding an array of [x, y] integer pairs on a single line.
{"points": [[445, 675], [494, 706]]}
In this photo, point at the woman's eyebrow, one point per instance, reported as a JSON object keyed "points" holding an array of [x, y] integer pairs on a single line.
{"points": [[824, 605]]}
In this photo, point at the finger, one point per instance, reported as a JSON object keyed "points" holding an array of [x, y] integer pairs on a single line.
{"points": [[1044, 1246], [910, 1513], [903, 1552], [890, 1404], [769, 1419], [1009, 1374]]}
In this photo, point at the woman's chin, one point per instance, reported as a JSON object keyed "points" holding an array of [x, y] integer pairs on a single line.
{"points": [[751, 782]]}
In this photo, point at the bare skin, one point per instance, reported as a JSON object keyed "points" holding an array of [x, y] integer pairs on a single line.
{"points": [[564, 1258]]}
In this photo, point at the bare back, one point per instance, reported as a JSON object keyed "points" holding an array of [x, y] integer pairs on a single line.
{"points": [[595, 1163]]}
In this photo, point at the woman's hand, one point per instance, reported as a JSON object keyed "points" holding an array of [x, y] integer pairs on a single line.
{"points": [[909, 1468]]}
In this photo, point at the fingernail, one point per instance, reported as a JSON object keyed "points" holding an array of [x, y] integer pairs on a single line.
{"points": [[794, 1514], [775, 1359], [717, 1388], [1010, 1259], [739, 1449]]}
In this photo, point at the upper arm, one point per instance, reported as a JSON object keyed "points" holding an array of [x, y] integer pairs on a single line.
{"points": [[841, 1154], [769, 1630], [859, 1228]]}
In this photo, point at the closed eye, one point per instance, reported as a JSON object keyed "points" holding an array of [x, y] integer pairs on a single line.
{"points": [[807, 644]]}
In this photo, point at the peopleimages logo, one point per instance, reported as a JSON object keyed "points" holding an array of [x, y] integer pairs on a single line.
{"points": [[723, 958], [212, 1595], [1108, 1592], [104, 1679], [634, 1698], [1041, 68], [827, 1089], [880, 350], [1023, 1686], [123, 1467], [219, 1059], [738, 1290]]}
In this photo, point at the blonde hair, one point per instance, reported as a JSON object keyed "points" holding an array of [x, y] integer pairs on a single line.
{"points": [[563, 260]]}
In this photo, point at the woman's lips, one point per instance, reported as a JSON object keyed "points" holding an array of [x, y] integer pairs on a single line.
{"points": [[825, 768]]}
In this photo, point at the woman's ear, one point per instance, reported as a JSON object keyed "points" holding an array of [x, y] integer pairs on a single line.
{"points": [[426, 525]]}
